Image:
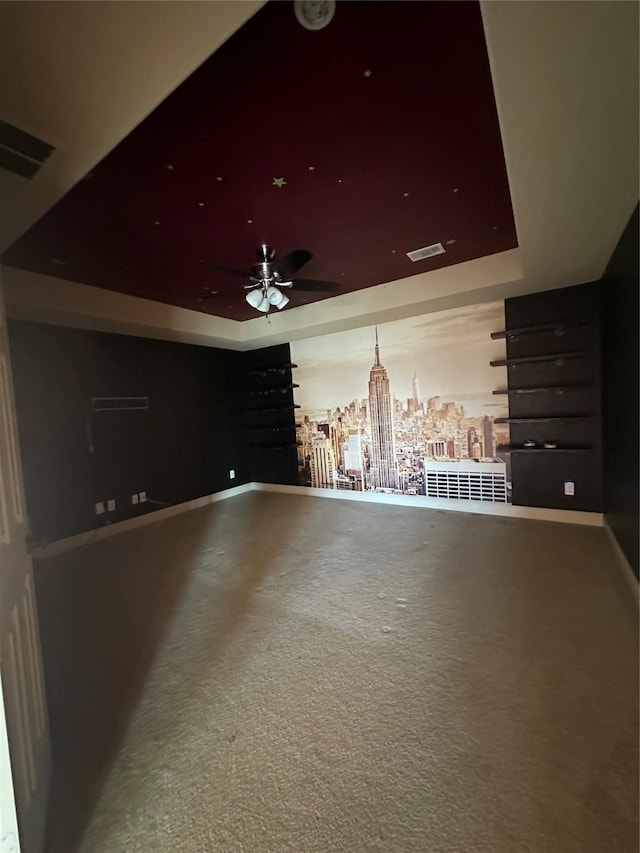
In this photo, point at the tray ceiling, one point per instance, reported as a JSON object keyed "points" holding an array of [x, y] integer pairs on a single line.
{"points": [[360, 142]]}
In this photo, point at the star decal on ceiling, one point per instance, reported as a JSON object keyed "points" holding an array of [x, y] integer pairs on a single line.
{"points": [[451, 242], [279, 182], [368, 72]]}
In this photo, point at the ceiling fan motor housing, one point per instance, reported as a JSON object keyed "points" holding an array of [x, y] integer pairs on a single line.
{"points": [[262, 270], [266, 252]]}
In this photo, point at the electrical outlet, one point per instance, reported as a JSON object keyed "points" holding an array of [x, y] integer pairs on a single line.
{"points": [[569, 488], [111, 505], [100, 508], [134, 498], [143, 497], [232, 474]]}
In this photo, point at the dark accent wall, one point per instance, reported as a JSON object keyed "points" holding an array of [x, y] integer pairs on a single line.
{"points": [[554, 357], [181, 448], [619, 286]]}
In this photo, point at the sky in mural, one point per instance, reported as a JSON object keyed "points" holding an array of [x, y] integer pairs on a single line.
{"points": [[449, 351]]}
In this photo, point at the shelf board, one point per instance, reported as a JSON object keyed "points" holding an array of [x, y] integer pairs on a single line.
{"points": [[557, 326], [281, 388], [560, 390], [558, 357], [286, 407], [511, 448], [542, 420], [270, 427], [266, 370], [276, 446]]}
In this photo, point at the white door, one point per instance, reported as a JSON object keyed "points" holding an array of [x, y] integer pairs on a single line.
{"points": [[24, 733]]}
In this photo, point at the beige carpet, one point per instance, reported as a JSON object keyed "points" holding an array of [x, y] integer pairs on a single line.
{"points": [[277, 673]]}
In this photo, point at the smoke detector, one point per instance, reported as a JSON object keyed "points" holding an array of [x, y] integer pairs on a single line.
{"points": [[314, 14]]}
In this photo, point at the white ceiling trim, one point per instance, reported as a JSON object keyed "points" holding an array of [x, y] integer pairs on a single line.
{"points": [[46, 299]]}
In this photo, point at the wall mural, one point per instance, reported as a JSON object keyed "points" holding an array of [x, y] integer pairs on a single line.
{"points": [[406, 407]]}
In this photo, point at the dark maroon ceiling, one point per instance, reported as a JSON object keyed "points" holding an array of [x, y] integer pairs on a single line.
{"points": [[376, 164]]}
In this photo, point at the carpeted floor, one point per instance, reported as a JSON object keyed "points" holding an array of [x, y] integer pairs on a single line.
{"points": [[276, 673]]}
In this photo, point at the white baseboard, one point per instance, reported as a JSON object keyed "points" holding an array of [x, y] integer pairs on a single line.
{"points": [[623, 563], [80, 539], [565, 516]]}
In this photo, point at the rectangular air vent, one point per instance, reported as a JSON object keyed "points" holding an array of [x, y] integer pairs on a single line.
{"points": [[20, 152], [427, 252]]}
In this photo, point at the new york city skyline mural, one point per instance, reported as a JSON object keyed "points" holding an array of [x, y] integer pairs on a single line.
{"points": [[406, 407]]}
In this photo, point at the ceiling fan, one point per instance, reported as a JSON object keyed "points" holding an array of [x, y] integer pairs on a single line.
{"points": [[269, 276]]}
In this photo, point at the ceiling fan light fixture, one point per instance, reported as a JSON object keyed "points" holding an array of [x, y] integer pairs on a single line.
{"points": [[274, 296], [270, 278], [255, 298]]}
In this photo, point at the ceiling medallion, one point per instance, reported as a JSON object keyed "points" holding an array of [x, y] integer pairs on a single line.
{"points": [[314, 14]]}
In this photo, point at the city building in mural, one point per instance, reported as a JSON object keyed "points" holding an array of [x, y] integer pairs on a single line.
{"points": [[383, 469], [430, 446]]}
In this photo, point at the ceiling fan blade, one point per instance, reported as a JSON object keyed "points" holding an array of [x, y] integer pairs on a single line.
{"points": [[286, 267], [310, 284]]}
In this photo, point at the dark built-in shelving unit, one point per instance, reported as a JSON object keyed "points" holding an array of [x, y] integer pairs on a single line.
{"points": [[553, 389], [269, 420]]}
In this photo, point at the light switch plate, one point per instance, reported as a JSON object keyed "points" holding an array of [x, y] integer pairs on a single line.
{"points": [[569, 488]]}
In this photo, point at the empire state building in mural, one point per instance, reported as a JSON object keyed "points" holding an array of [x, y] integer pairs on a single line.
{"points": [[383, 471]]}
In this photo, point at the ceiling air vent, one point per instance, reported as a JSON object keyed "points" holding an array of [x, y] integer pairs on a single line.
{"points": [[20, 152], [427, 252]]}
